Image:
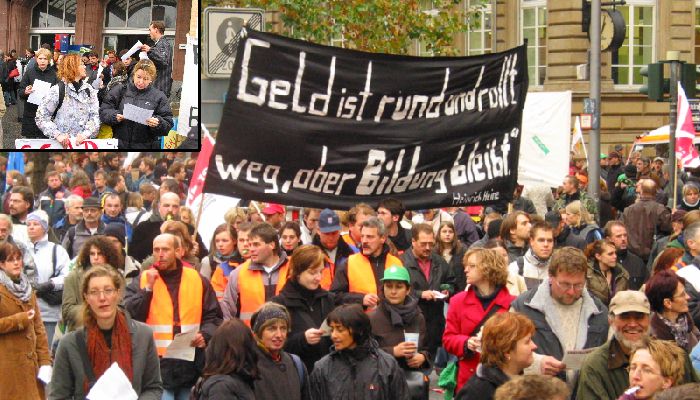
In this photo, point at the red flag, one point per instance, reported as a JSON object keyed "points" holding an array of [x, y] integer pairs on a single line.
{"points": [[686, 152], [200, 171]]}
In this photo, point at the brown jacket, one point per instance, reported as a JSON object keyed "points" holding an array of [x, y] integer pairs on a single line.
{"points": [[645, 220], [23, 348], [598, 284]]}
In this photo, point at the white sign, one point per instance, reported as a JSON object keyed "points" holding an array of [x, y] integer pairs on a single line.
{"points": [[544, 146], [50, 144], [39, 89], [221, 33], [189, 101]]}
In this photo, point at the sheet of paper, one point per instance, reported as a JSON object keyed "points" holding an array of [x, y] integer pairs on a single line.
{"points": [[136, 114], [98, 80], [574, 358], [39, 89], [113, 385], [45, 372], [180, 347], [132, 50], [325, 328], [439, 295]]}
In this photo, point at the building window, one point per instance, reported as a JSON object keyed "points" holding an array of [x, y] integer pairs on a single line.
{"points": [[479, 38], [697, 33], [533, 23], [54, 14], [138, 14], [637, 49]]}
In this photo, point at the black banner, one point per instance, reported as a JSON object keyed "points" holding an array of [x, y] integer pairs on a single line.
{"points": [[319, 126]]}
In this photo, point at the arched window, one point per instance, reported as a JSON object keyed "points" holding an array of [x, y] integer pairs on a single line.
{"points": [[54, 14], [137, 14]]}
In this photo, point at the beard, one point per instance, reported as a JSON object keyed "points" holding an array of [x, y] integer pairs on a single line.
{"points": [[631, 344]]}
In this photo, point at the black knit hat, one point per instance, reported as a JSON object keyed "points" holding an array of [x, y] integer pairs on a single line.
{"points": [[116, 230]]}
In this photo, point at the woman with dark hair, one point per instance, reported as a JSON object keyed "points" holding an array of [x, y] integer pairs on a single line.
{"points": [[605, 275], [232, 364], [670, 319], [290, 237], [356, 368], [486, 293], [506, 350], [450, 248], [308, 305], [222, 258], [109, 336], [96, 250], [23, 341]]}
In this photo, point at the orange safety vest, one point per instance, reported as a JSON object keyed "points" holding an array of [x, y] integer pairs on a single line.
{"points": [[353, 246], [360, 273], [251, 290], [160, 313], [219, 281], [328, 273]]}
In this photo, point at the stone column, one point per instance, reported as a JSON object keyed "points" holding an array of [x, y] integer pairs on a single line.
{"points": [[675, 24], [89, 20], [182, 24]]}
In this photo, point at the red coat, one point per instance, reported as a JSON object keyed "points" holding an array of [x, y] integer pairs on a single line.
{"points": [[463, 315]]}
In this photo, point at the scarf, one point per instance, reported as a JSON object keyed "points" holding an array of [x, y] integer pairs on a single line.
{"points": [[21, 289], [101, 356], [679, 329], [223, 258], [401, 314], [691, 205], [531, 258]]}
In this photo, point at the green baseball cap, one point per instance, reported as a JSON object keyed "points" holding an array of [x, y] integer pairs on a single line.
{"points": [[396, 273]]}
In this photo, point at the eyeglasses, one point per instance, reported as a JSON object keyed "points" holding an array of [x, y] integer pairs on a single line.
{"points": [[568, 286], [97, 293], [644, 370]]}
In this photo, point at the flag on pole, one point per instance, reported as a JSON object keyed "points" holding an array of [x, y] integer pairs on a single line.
{"points": [[577, 144], [15, 162], [214, 205], [686, 152]]}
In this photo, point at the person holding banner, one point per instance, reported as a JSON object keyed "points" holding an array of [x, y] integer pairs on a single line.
{"points": [[39, 71], [75, 115], [138, 112]]}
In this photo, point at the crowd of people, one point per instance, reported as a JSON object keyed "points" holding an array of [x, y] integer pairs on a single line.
{"points": [[534, 299], [88, 95]]}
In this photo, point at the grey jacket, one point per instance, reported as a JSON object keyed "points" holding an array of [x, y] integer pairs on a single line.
{"points": [[537, 304], [68, 373]]}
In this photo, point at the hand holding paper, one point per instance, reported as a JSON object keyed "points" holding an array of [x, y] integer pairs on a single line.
{"points": [[132, 50], [39, 89], [137, 114], [181, 346]]}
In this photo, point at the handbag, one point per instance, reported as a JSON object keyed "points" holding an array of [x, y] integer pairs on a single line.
{"points": [[14, 73], [53, 297], [448, 379], [418, 385]]}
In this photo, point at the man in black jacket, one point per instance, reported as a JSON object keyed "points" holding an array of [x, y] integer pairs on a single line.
{"points": [[616, 232], [432, 282], [145, 297]]}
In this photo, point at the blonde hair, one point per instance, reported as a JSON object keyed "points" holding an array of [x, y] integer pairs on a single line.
{"points": [[69, 69], [147, 66], [490, 264], [44, 52], [668, 355], [575, 208], [98, 271]]}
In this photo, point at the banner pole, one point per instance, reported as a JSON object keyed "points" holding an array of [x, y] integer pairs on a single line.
{"points": [[675, 188], [199, 216]]}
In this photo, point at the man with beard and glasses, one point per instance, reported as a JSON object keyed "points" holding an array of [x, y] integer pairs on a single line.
{"points": [[604, 374]]}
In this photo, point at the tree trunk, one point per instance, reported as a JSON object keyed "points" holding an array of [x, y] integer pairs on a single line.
{"points": [[41, 161]]}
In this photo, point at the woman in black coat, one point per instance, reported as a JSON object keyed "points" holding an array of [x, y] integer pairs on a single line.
{"points": [[506, 350], [308, 305], [139, 92], [41, 70]]}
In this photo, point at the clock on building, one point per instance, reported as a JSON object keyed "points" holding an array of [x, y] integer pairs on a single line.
{"points": [[612, 30]]}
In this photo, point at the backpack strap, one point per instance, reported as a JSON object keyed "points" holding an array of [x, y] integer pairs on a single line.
{"points": [[61, 95], [82, 349], [521, 265], [300, 368], [138, 217], [53, 260]]}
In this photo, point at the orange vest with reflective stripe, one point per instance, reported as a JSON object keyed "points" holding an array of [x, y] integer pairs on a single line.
{"points": [[328, 273], [160, 314], [360, 273], [219, 281], [251, 290]]}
